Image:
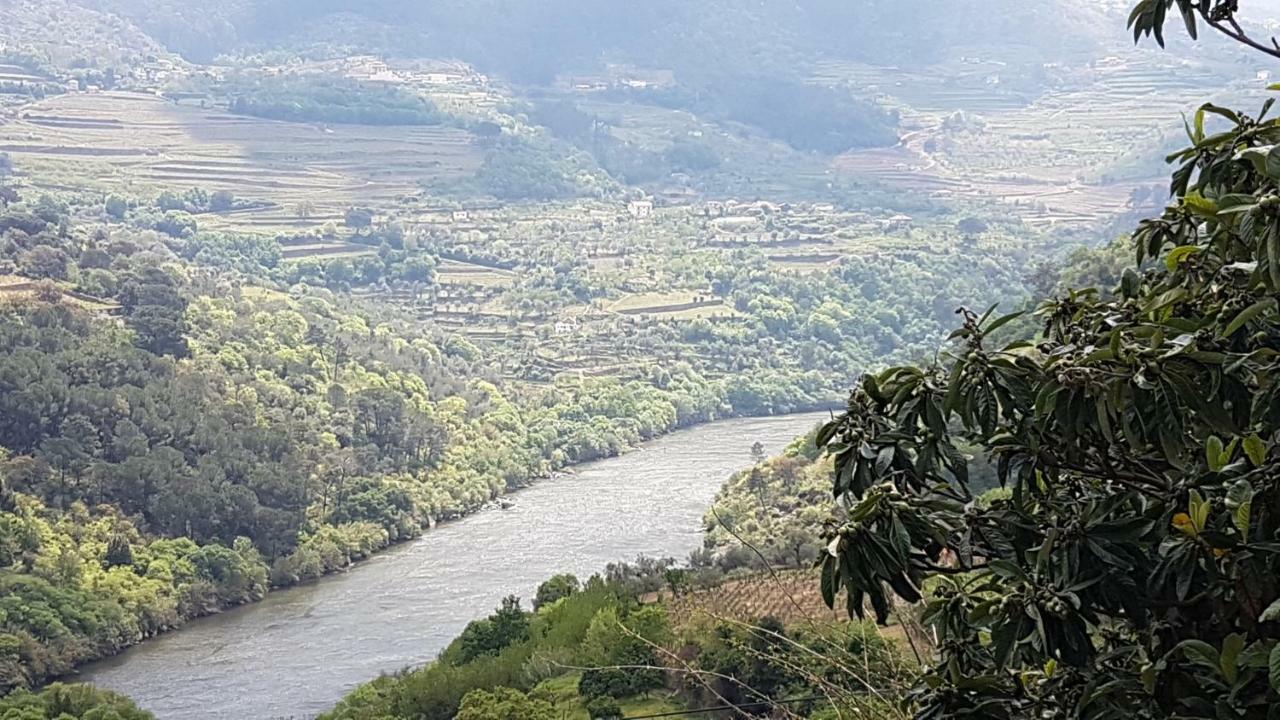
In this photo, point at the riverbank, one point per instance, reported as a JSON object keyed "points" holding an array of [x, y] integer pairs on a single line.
{"points": [[355, 559], [401, 606], [351, 557]]}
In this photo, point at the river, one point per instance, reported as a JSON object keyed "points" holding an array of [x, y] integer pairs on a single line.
{"points": [[297, 652]]}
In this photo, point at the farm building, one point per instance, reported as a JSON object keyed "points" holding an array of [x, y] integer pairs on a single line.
{"points": [[367, 67], [896, 222], [640, 209]]}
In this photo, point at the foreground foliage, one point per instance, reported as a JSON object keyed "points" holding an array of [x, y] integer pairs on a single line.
{"points": [[596, 651], [1131, 571], [69, 702], [497, 660]]}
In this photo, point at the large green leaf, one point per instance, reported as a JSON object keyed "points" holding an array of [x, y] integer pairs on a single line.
{"points": [[1274, 669], [1256, 449], [1248, 314], [1179, 254], [1231, 647], [1201, 653], [1213, 453], [1272, 613]]}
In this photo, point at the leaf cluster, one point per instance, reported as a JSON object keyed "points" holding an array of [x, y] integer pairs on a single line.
{"points": [[1132, 570]]}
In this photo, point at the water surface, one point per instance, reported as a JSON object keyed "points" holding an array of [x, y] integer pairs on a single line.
{"points": [[297, 652]]}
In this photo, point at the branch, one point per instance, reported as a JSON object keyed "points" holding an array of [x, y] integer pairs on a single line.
{"points": [[1149, 484], [1237, 33]]}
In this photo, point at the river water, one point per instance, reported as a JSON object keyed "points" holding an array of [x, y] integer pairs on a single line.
{"points": [[297, 652]]}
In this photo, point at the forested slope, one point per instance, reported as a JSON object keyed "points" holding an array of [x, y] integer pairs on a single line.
{"points": [[184, 457], [110, 447]]}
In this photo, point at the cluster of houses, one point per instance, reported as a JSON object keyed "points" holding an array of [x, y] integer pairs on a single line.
{"points": [[641, 209], [763, 209], [373, 69], [618, 77], [453, 86], [159, 71]]}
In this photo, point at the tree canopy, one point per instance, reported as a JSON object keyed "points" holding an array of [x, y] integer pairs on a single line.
{"points": [[1132, 569], [70, 702]]}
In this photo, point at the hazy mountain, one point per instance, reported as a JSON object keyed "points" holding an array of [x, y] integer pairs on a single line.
{"points": [[534, 38]]}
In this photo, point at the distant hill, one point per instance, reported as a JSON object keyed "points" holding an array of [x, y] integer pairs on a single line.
{"points": [[70, 34], [748, 63], [535, 38]]}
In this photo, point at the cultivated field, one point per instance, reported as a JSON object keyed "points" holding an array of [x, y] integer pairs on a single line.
{"points": [[453, 272], [1065, 157], [685, 304], [21, 290], [16, 74], [793, 598], [305, 174], [302, 248]]}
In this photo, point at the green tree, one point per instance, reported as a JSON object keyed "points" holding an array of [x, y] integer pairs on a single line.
{"points": [[559, 586], [155, 309], [503, 704], [358, 218], [603, 707], [119, 551], [44, 261], [70, 702], [971, 226], [116, 206], [507, 626], [1131, 571], [222, 201], [623, 649]]}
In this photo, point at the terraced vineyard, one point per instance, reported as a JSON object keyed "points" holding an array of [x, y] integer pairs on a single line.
{"points": [[110, 141], [1054, 158], [19, 290], [792, 597], [302, 248], [17, 74], [581, 287], [462, 274], [678, 304]]}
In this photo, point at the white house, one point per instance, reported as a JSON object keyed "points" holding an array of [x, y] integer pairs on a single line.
{"points": [[640, 209], [898, 222]]}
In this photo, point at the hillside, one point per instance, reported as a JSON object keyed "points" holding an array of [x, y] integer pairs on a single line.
{"points": [[536, 37], [284, 283], [606, 647], [780, 100]]}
